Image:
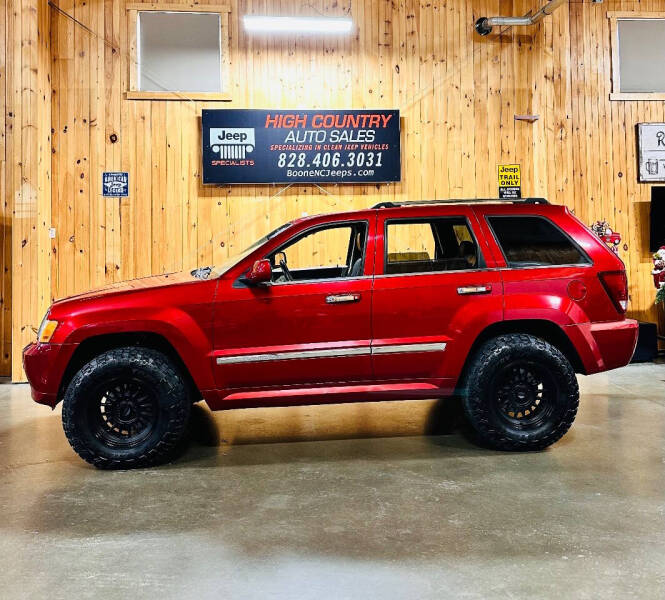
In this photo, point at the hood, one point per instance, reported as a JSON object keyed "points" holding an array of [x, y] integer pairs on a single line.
{"points": [[153, 281]]}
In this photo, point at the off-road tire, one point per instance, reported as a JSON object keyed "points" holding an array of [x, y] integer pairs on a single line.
{"points": [[169, 409], [484, 397]]}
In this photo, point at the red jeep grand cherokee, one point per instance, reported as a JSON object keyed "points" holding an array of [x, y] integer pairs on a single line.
{"points": [[501, 303]]}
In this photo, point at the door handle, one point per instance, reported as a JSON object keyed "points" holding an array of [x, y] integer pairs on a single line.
{"points": [[474, 289], [342, 298]]}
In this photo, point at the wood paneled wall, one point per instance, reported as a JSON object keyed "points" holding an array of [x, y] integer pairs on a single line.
{"points": [[5, 214], [458, 94], [26, 156]]}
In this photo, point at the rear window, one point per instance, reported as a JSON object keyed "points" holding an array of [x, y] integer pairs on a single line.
{"points": [[535, 242]]}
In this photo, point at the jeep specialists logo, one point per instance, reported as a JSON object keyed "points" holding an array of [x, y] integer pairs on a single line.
{"points": [[232, 142]]}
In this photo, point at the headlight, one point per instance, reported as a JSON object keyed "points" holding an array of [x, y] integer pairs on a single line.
{"points": [[46, 330]]}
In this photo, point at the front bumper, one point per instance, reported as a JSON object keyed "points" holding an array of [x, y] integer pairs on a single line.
{"points": [[44, 365], [604, 346]]}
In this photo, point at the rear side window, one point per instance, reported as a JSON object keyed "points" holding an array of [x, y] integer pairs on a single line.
{"points": [[430, 246], [535, 242]]}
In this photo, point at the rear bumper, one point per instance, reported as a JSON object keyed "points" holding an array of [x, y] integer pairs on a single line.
{"points": [[604, 346], [44, 365]]}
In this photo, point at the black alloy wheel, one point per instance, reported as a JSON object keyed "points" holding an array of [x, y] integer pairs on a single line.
{"points": [[525, 394], [123, 412]]}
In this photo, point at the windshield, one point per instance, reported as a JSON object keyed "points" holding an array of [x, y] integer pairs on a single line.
{"points": [[232, 261]]}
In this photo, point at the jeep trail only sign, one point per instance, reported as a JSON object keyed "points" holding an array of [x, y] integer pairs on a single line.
{"points": [[510, 181], [300, 146]]}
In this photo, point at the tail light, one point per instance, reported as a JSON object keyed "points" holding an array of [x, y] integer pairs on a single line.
{"points": [[616, 286]]}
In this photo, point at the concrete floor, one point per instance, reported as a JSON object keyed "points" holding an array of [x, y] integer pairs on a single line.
{"points": [[403, 516]]}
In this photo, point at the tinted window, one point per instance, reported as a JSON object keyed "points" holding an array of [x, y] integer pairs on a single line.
{"points": [[432, 245], [534, 241]]}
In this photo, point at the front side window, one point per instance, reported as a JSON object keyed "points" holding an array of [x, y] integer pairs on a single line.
{"points": [[331, 252], [534, 242], [432, 245]]}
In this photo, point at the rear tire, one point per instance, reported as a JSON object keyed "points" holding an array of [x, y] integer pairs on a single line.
{"points": [[521, 393], [126, 408]]}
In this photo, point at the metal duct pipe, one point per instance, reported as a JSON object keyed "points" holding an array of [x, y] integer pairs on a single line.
{"points": [[484, 24]]}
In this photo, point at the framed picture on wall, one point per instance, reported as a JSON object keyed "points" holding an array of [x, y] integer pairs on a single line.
{"points": [[651, 151]]}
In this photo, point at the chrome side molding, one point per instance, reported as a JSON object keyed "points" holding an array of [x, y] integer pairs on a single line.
{"points": [[270, 356], [331, 353], [402, 348]]}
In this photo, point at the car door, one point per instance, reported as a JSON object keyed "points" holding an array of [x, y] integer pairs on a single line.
{"points": [[435, 289], [311, 324]]}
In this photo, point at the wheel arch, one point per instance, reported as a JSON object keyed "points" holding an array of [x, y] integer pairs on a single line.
{"points": [[96, 344], [541, 328]]}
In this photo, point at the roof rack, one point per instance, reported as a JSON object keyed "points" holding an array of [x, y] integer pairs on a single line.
{"points": [[461, 201]]}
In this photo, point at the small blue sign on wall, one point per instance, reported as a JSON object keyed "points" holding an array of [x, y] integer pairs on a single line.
{"points": [[115, 184]]}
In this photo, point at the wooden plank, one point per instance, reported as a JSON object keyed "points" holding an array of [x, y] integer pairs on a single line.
{"points": [[159, 206], [13, 143], [493, 132], [614, 45], [180, 7], [635, 14], [112, 66], [637, 96], [24, 247], [141, 173], [97, 248], [127, 206], [467, 183], [3, 83], [27, 168], [426, 93], [5, 206], [174, 189], [132, 50], [81, 148], [225, 50], [44, 118], [179, 96]]}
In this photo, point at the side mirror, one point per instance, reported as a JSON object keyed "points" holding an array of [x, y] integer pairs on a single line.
{"points": [[261, 272]]}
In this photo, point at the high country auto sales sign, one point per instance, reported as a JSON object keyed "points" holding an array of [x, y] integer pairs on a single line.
{"points": [[300, 146]]}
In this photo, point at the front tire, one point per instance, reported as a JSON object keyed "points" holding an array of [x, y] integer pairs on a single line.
{"points": [[126, 408], [521, 393]]}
